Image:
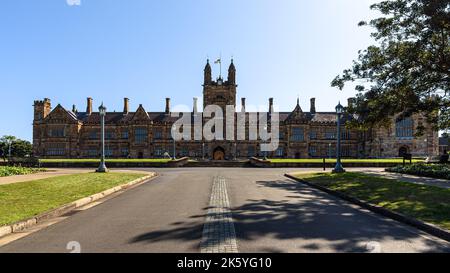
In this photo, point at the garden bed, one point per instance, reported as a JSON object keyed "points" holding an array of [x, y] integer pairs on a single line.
{"points": [[10, 171], [427, 170]]}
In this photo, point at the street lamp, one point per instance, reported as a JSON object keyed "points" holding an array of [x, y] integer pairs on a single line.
{"points": [[329, 150], [9, 142], [203, 150], [174, 127], [265, 152], [338, 168], [102, 168]]}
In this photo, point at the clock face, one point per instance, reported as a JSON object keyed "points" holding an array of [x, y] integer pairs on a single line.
{"points": [[219, 81]]}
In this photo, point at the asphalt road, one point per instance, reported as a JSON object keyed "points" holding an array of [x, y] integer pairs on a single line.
{"points": [[270, 214]]}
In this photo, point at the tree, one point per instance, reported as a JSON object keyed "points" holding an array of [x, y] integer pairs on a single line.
{"points": [[408, 71], [19, 148]]}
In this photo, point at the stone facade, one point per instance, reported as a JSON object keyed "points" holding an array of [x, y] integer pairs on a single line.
{"points": [[62, 133]]}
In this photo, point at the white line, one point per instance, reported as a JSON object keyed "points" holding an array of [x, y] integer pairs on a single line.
{"points": [[219, 235]]}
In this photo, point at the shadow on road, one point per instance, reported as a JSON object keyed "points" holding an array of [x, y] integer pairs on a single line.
{"points": [[318, 221]]}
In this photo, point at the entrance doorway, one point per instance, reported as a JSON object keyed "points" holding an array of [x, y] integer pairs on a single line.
{"points": [[219, 154]]}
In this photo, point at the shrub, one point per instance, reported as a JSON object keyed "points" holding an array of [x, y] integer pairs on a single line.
{"points": [[9, 171], [428, 170]]}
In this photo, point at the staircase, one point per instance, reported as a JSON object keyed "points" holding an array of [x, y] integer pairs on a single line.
{"points": [[219, 163]]}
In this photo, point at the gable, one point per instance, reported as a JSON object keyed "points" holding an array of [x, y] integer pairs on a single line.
{"points": [[60, 115], [140, 115]]}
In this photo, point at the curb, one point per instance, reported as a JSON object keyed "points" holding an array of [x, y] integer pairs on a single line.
{"points": [[28, 223], [427, 227]]}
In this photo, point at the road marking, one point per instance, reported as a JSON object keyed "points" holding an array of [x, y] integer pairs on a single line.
{"points": [[219, 235]]}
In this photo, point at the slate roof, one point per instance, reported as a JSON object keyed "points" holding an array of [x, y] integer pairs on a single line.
{"points": [[161, 117]]}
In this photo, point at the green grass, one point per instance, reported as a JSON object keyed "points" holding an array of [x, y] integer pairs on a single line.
{"points": [[10, 171], [20, 201], [350, 160], [427, 203], [75, 160]]}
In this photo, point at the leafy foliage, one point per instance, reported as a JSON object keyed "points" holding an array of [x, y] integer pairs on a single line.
{"points": [[408, 71], [428, 170], [9, 171], [19, 147]]}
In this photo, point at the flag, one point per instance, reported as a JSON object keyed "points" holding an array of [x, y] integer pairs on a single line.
{"points": [[219, 61]]}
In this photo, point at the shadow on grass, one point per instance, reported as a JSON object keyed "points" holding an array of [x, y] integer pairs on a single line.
{"points": [[312, 220]]}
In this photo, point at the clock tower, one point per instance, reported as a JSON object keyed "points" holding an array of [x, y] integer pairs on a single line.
{"points": [[219, 92]]}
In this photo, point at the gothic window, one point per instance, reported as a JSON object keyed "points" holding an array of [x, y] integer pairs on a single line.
{"points": [[56, 149], [109, 135], [184, 151], [92, 152], [124, 152], [330, 134], [345, 134], [297, 134], [346, 151], [157, 133], [404, 128], [57, 132], [109, 152], [279, 152], [93, 134], [331, 151], [140, 135], [313, 151], [251, 151], [159, 151]]}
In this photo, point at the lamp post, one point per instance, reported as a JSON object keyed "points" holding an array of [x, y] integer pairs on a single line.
{"points": [[9, 141], [235, 151], [265, 152], [174, 127], [338, 168], [102, 168], [203, 150]]}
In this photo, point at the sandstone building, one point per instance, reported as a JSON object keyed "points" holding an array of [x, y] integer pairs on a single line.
{"points": [[63, 133]]}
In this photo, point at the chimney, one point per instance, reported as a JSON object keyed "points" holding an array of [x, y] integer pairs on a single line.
{"points": [[270, 105], [243, 105], [74, 109], [167, 105], [126, 105], [313, 106], [195, 110], [89, 106]]}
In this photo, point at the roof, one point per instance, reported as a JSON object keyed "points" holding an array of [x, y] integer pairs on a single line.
{"points": [[162, 117]]}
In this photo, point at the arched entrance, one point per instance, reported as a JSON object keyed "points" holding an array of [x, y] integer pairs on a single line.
{"points": [[219, 154], [402, 151]]}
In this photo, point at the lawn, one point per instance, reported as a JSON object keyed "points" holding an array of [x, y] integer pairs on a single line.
{"points": [[426, 203], [9, 171], [20, 201], [350, 160], [124, 160]]}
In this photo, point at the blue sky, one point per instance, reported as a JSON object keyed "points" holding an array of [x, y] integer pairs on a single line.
{"points": [[150, 50]]}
